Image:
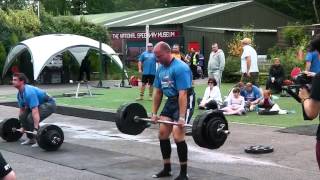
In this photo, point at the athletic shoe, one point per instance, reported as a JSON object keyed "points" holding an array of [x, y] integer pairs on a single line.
{"points": [[29, 142], [139, 99], [35, 145], [162, 174], [182, 177]]}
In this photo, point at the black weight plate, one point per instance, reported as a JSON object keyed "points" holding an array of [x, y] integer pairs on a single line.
{"points": [[126, 123], [201, 131], [197, 129], [50, 137], [258, 149], [6, 132], [118, 120], [215, 139], [267, 112]]}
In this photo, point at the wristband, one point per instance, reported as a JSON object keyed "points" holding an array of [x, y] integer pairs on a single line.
{"points": [[302, 100]]}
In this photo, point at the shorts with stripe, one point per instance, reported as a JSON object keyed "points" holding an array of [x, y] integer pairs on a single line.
{"points": [[171, 108]]}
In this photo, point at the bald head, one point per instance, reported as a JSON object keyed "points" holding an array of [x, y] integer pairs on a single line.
{"points": [[163, 46], [162, 51]]}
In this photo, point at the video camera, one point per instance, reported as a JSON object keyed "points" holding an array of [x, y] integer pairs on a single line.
{"points": [[302, 80]]}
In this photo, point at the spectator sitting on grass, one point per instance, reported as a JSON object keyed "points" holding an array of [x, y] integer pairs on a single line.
{"points": [[235, 104], [276, 77], [212, 96], [265, 101], [239, 85], [251, 93]]}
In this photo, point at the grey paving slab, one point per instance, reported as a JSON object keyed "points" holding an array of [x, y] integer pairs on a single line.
{"points": [[109, 163], [293, 158]]}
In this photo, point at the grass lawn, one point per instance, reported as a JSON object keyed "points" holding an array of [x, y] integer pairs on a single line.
{"points": [[114, 97]]}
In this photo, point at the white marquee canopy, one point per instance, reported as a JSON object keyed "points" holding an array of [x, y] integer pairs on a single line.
{"points": [[44, 48]]}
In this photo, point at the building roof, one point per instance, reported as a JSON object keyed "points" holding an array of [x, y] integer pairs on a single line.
{"points": [[218, 29], [161, 16]]}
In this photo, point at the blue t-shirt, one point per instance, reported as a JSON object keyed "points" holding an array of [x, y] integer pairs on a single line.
{"points": [[313, 57], [251, 95], [32, 97], [173, 78], [149, 63]]}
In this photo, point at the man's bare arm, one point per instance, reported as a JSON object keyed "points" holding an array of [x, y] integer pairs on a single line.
{"points": [[157, 98], [36, 117], [311, 108]]}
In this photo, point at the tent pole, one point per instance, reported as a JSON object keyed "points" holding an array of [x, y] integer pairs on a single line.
{"points": [[100, 85]]}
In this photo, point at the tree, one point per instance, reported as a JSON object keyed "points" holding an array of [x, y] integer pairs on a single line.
{"points": [[3, 55], [57, 7], [130, 5], [13, 4], [99, 6], [78, 7]]}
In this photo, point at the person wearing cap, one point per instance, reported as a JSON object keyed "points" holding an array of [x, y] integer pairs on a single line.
{"points": [[249, 63], [147, 66]]}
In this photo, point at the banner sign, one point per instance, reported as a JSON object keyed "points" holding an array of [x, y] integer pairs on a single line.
{"points": [[142, 35]]}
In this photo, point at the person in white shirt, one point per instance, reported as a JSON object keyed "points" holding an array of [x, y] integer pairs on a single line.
{"points": [[249, 63], [212, 96], [235, 104]]}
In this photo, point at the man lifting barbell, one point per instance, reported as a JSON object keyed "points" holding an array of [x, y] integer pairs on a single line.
{"points": [[174, 80], [35, 105]]}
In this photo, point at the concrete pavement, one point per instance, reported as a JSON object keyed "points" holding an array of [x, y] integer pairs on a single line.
{"points": [[112, 155]]}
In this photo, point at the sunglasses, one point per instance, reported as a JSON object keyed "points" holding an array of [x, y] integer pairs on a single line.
{"points": [[210, 82]]}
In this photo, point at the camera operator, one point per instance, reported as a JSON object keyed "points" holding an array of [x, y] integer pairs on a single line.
{"points": [[311, 99]]}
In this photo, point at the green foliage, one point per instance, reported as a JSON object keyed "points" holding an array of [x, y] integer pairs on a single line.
{"points": [[56, 7], [234, 45], [13, 4], [296, 36], [68, 25], [3, 55], [288, 59], [297, 39], [17, 24], [231, 71]]}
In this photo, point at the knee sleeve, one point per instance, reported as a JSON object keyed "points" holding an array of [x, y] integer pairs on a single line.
{"points": [[182, 149], [165, 147]]}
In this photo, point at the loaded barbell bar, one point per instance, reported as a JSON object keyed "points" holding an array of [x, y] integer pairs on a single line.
{"points": [[219, 130], [209, 129]]}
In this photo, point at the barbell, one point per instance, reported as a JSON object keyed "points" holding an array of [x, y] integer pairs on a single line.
{"points": [[209, 129], [49, 137]]}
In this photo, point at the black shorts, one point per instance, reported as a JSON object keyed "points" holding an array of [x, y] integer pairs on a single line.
{"points": [[148, 79], [171, 108], [5, 168]]}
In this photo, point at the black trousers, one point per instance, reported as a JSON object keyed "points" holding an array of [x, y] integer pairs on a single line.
{"points": [[275, 86], [82, 71]]}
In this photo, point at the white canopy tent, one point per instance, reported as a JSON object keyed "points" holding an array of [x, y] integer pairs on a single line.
{"points": [[44, 48]]}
